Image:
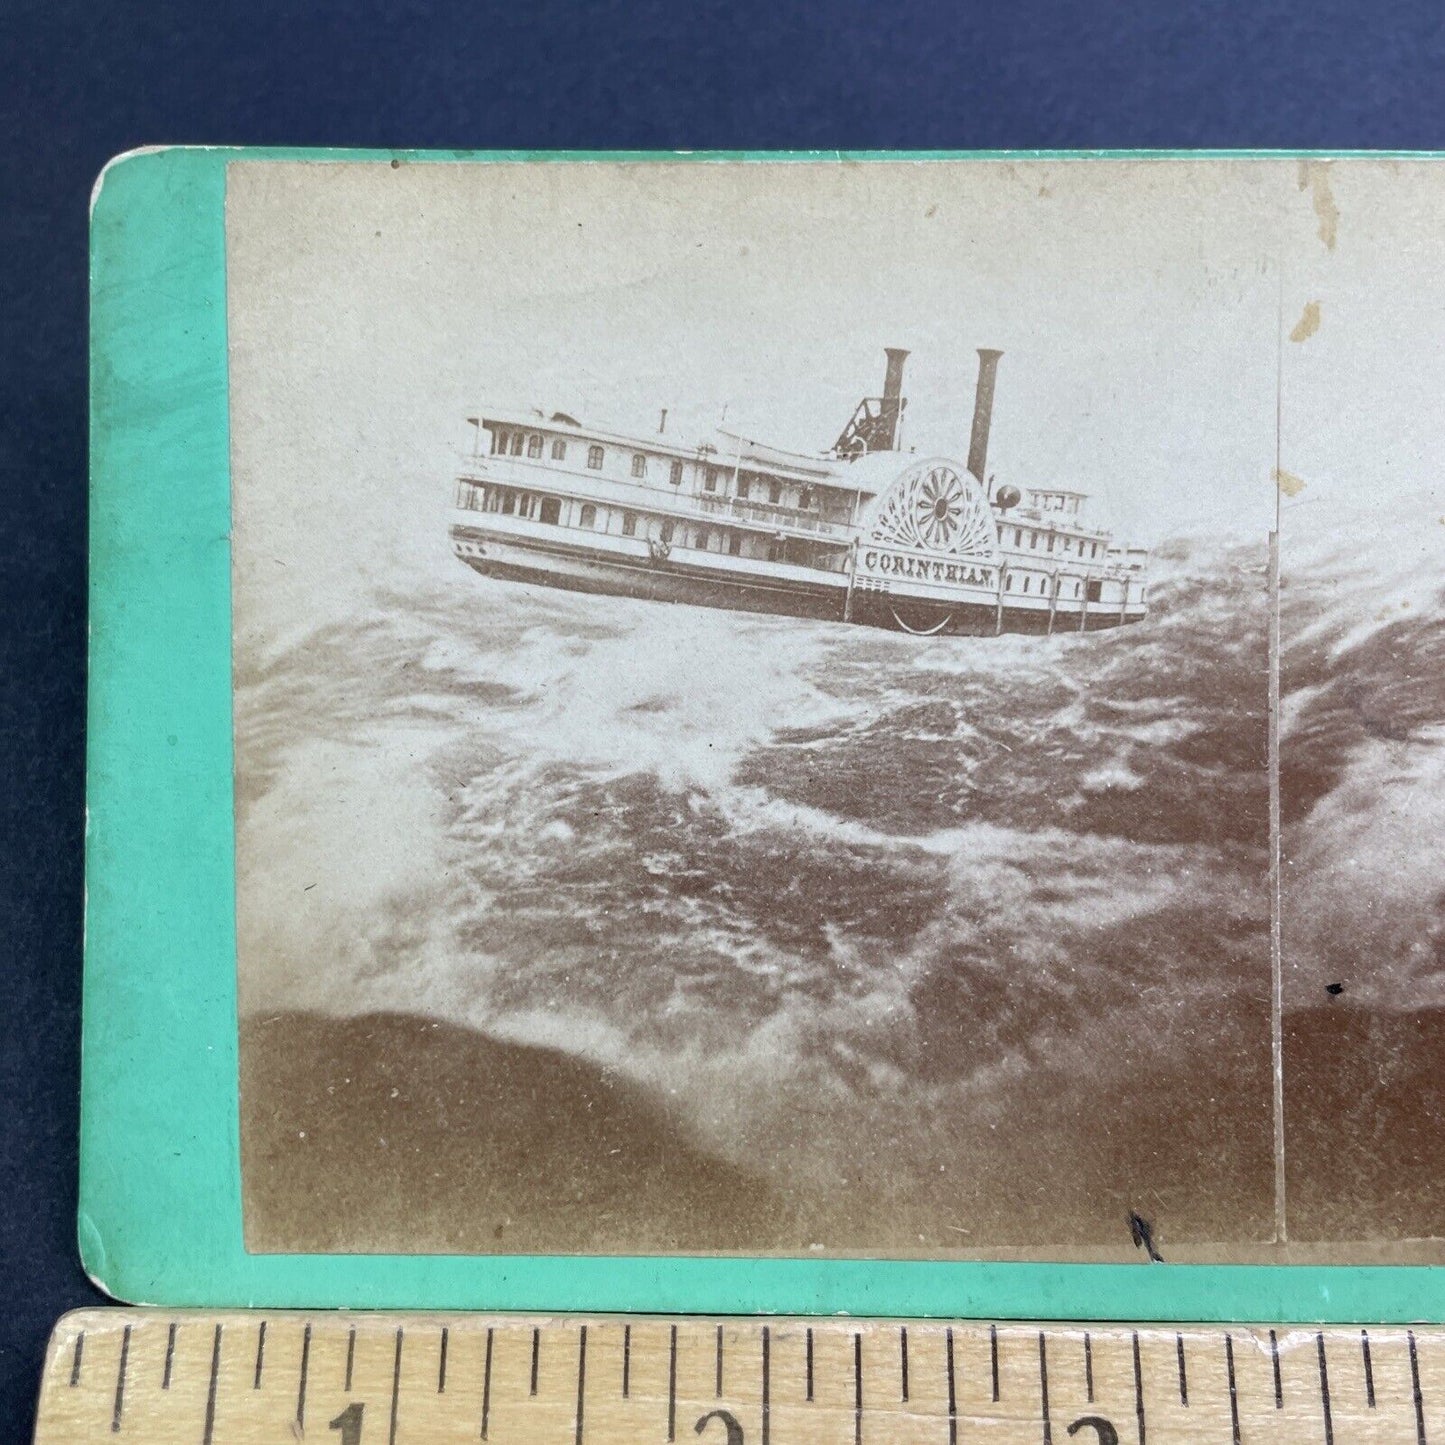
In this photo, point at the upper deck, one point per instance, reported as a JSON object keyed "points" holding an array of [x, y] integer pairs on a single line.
{"points": [[736, 482], [743, 483]]}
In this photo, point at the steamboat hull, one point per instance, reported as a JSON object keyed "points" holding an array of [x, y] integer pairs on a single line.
{"points": [[580, 569], [573, 568]]}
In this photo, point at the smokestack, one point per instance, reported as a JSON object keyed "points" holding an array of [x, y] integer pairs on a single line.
{"points": [[982, 413], [893, 394]]}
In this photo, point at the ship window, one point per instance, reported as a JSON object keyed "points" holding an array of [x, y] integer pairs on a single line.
{"points": [[1051, 542], [639, 465], [516, 448], [499, 441], [711, 480], [700, 539], [594, 459], [735, 543], [666, 532], [551, 511], [1008, 585], [559, 450], [775, 492], [1096, 591], [1018, 537], [588, 517], [674, 474], [805, 496], [629, 524], [509, 503], [1076, 589], [743, 488], [534, 446], [1095, 551], [1034, 540], [1027, 580]]}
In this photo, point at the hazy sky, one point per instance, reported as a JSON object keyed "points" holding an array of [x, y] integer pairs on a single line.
{"points": [[1137, 304]]}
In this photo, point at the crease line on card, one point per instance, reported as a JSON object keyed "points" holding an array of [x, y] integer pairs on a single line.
{"points": [[1276, 952]]}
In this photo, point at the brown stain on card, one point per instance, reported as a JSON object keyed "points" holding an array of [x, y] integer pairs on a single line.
{"points": [[1314, 176], [1288, 483], [1308, 323]]}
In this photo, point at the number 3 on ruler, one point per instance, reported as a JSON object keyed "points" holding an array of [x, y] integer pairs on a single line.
{"points": [[349, 1423]]}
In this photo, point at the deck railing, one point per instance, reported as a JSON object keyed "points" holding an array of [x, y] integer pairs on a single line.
{"points": [[535, 475], [770, 514]]}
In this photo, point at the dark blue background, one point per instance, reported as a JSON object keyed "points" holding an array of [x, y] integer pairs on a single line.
{"points": [[80, 83]]}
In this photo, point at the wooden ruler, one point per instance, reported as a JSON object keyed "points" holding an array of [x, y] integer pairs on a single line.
{"points": [[390, 1379]]}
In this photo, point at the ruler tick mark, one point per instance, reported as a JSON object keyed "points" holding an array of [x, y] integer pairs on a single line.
{"points": [[301, 1388], [487, 1384], [120, 1382], [210, 1429], [626, 1361], [857, 1388], [672, 1385], [767, 1348], [1088, 1366], [581, 1380], [1044, 1389], [1138, 1389], [536, 1356], [1233, 1392], [350, 1356], [1415, 1387], [1278, 1383], [952, 1392], [993, 1359], [254, 1350], [1325, 1391], [395, 1386]]}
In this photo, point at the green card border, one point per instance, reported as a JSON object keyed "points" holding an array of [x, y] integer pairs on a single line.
{"points": [[160, 1198]]}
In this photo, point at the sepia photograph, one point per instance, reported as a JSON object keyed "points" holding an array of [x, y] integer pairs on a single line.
{"points": [[880, 708], [1362, 711]]}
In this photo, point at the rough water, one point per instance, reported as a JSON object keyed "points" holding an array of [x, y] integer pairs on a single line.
{"points": [[1362, 782], [808, 883], [1362, 674], [948, 944]]}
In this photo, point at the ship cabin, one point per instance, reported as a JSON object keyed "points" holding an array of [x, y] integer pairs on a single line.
{"points": [[730, 496], [1050, 550]]}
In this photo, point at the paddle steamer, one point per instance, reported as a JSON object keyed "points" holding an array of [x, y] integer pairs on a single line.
{"points": [[863, 533]]}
